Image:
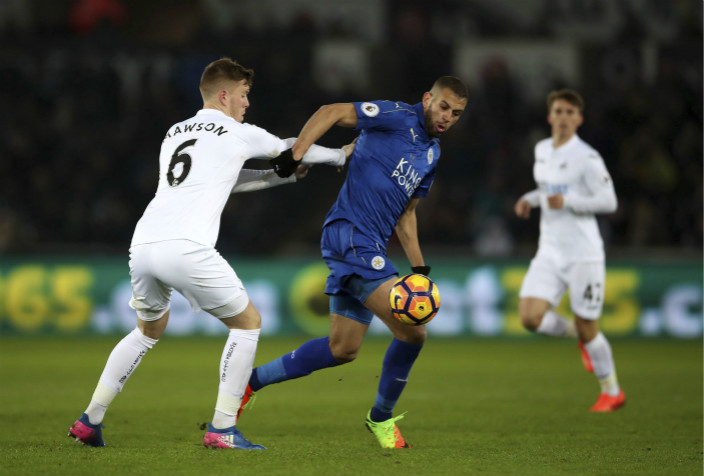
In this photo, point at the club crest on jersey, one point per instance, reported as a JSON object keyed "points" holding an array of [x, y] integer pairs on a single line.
{"points": [[430, 156], [370, 109], [378, 262]]}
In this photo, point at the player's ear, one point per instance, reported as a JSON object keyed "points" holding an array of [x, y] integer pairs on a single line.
{"points": [[222, 96], [427, 97]]}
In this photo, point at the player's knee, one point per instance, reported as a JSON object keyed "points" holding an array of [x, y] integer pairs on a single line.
{"points": [[343, 350], [412, 334], [530, 320], [344, 355]]}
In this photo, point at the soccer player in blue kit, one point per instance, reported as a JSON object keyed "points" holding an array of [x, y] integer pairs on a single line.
{"points": [[390, 170]]}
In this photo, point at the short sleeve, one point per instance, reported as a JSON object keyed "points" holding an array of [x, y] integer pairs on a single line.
{"points": [[262, 143], [382, 115]]}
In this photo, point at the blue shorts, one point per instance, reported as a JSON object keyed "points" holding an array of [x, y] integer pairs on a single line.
{"points": [[358, 265]]}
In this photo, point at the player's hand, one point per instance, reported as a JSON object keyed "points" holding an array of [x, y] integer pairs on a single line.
{"points": [[302, 170], [556, 201], [285, 165], [522, 209], [349, 148]]}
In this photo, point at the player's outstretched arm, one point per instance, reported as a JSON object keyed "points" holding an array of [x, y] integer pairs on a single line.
{"points": [[317, 154], [322, 155], [407, 232], [251, 180], [285, 165], [339, 114]]}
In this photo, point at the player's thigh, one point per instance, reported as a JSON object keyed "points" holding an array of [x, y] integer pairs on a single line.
{"points": [[532, 308], [151, 297], [587, 281], [544, 281], [378, 303], [357, 263], [204, 278]]}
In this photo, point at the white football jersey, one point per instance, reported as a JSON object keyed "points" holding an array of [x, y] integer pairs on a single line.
{"points": [[199, 164], [576, 171]]}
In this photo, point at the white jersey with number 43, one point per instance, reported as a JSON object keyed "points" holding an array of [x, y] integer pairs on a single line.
{"points": [[199, 164], [576, 171]]}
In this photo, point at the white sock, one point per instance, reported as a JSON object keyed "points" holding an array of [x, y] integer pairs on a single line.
{"points": [[123, 360], [599, 352], [553, 324], [235, 369]]}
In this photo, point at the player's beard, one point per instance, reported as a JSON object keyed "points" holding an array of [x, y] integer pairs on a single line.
{"points": [[429, 124]]}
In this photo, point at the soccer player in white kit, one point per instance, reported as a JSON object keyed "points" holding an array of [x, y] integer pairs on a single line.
{"points": [[173, 246], [573, 186]]}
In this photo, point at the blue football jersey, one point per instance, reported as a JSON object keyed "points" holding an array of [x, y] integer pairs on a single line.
{"points": [[394, 160]]}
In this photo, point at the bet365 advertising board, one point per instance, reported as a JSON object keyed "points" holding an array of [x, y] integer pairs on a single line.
{"points": [[89, 295]]}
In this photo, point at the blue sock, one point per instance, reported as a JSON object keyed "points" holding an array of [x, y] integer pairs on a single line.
{"points": [[311, 356], [398, 361]]}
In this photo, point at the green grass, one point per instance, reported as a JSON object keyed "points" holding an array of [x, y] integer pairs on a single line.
{"points": [[475, 407]]}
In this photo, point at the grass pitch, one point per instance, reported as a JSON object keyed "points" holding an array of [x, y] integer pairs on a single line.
{"points": [[475, 407]]}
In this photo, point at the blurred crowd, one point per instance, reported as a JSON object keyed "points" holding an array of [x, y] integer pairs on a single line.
{"points": [[89, 88]]}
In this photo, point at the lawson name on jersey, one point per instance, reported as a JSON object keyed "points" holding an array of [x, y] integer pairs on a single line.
{"points": [[196, 127]]}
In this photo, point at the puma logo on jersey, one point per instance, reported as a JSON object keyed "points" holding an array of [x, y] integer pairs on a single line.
{"points": [[413, 134]]}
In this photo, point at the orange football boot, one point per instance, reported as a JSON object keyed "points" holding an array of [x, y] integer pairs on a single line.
{"points": [[608, 403]]}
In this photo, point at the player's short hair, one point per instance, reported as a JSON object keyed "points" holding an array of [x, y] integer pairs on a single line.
{"points": [[220, 71], [453, 84], [572, 97]]}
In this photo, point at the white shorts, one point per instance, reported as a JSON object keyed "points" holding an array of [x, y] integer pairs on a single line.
{"points": [[197, 271], [585, 280]]}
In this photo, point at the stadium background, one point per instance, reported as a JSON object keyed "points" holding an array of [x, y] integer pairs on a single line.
{"points": [[89, 88]]}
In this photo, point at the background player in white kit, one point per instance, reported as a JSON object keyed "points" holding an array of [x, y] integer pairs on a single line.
{"points": [[573, 185], [200, 165]]}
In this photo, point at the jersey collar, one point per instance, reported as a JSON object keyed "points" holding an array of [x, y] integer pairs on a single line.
{"points": [[570, 143], [211, 111]]}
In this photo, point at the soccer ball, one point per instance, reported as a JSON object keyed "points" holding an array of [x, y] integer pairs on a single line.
{"points": [[414, 299]]}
